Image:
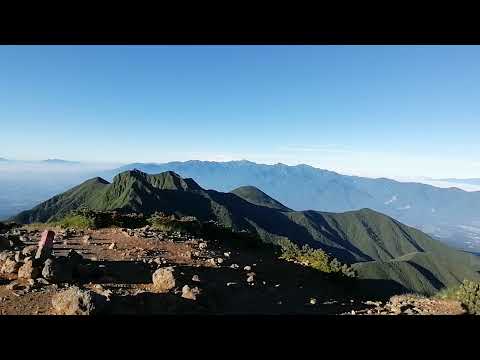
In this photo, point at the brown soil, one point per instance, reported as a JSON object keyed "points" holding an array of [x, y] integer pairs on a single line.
{"points": [[279, 287]]}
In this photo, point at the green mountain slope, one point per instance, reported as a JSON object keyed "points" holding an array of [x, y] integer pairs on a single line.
{"points": [[258, 197], [380, 246]]}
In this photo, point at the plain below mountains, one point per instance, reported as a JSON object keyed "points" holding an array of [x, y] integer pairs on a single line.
{"points": [[378, 246]]}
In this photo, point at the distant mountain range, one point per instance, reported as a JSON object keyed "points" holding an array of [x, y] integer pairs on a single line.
{"points": [[378, 246], [60, 161], [441, 212]]}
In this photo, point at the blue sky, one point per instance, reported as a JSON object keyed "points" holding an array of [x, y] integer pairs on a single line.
{"points": [[395, 111]]}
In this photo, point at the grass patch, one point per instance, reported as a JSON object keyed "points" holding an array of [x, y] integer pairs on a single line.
{"points": [[79, 222]]}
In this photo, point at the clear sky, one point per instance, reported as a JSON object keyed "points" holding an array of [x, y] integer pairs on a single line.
{"points": [[394, 111]]}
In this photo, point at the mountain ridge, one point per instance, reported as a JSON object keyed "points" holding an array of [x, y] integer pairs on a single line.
{"points": [[354, 237], [439, 211]]}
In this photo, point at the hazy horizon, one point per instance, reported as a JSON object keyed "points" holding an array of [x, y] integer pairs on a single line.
{"points": [[17, 167]]}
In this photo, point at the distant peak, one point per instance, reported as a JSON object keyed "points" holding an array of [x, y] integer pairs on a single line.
{"points": [[167, 180]]}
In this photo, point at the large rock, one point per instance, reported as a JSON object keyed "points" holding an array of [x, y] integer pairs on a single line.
{"points": [[49, 270], [58, 270], [8, 254], [76, 301], [28, 270], [45, 246], [4, 242], [29, 250], [163, 279], [10, 266]]}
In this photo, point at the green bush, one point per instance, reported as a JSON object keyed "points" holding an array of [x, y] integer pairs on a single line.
{"points": [[468, 293], [74, 221], [315, 258], [184, 224]]}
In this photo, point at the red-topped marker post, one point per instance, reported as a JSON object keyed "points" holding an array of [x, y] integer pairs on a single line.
{"points": [[45, 246]]}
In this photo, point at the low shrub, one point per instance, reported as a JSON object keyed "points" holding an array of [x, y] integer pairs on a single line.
{"points": [[88, 218], [315, 258], [187, 224], [468, 293]]}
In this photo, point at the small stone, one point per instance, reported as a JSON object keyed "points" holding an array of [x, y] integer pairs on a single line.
{"points": [[14, 286], [18, 256], [189, 293], [227, 254], [42, 281], [353, 312], [202, 245], [313, 301], [234, 266], [369, 312], [219, 260], [250, 279], [211, 262], [195, 278], [247, 268]]}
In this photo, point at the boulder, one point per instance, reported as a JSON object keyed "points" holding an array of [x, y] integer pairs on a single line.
{"points": [[4, 242], [10, 267], [163, 279], [28, 270], [4, 255], [76, 301]]}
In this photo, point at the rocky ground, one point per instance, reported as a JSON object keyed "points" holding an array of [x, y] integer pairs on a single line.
{"points": [[145, 271]]}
